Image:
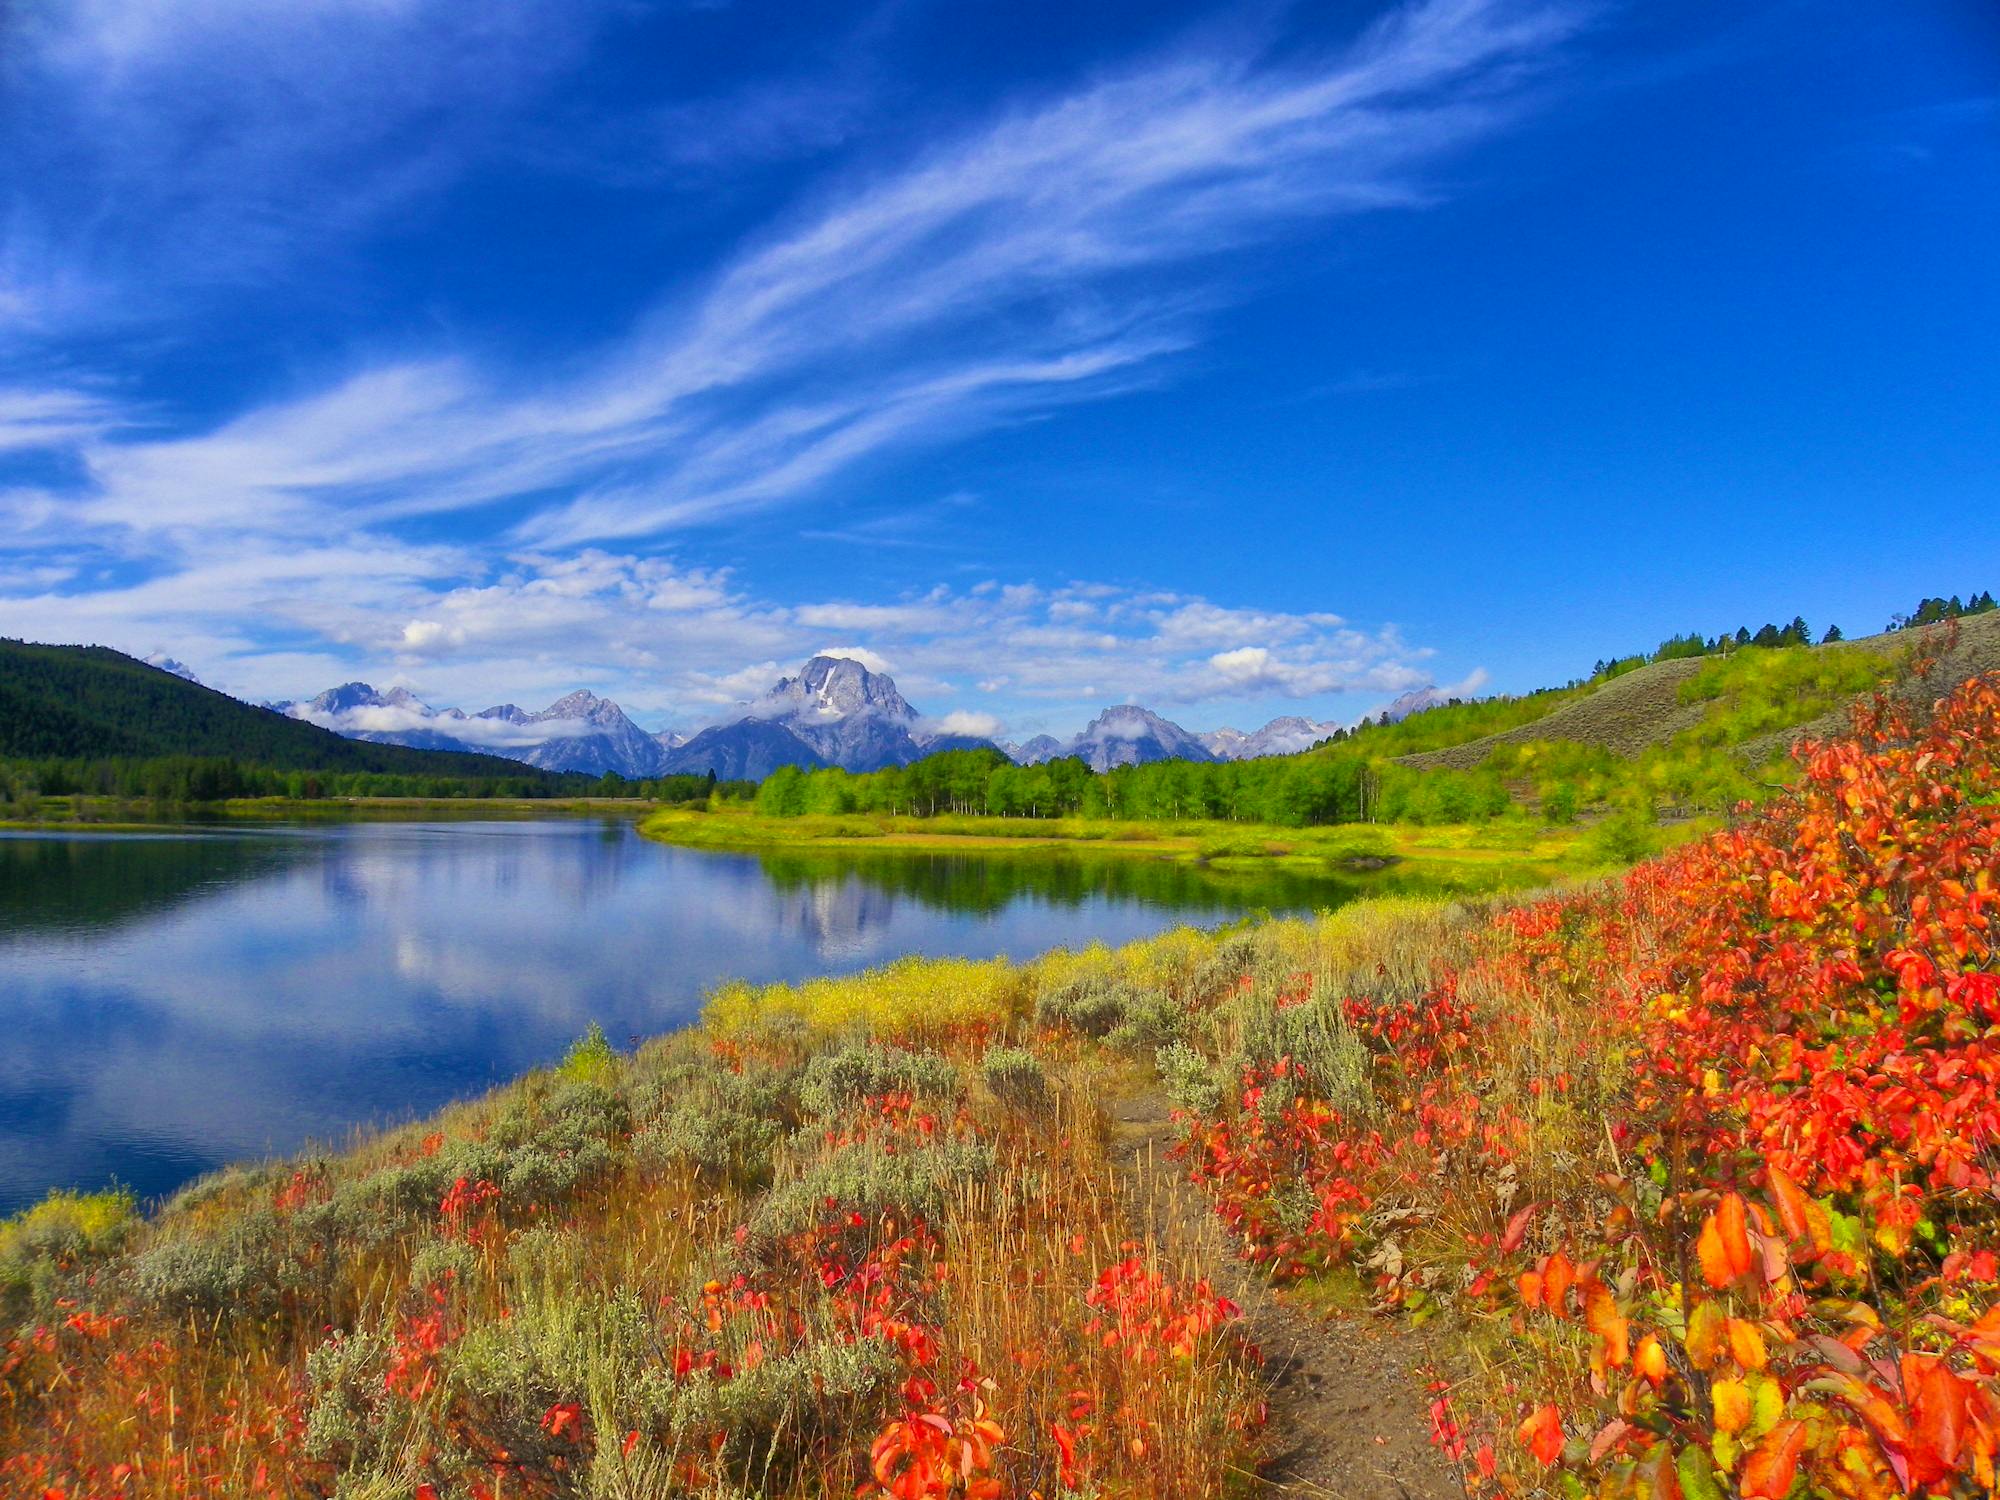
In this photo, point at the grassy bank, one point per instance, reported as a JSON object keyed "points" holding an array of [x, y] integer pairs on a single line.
{"points": [[1513, 852], [1695, 1170]]}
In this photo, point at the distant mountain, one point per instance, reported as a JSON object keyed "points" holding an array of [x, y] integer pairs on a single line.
{"points": [[1415, 701], [834, 712], [841, 713], [580, 733], [90, 702], [749, 749], [591, 734], [849, 716], [1283, 736], [1129, 735], [1042, 747]]}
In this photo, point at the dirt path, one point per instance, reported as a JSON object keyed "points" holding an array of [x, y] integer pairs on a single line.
{"points": [[1347, 1416]]}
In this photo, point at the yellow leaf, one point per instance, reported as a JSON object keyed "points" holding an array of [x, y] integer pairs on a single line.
{"points": [[1651, 1360], [1746, 1345], [1732, 1405], [1707, 1335]]}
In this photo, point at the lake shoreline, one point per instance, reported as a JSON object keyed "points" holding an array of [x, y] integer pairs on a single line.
{"points": [[114, 814], [1453, 856], [441, 947]]}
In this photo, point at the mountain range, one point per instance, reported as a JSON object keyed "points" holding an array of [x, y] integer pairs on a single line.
{"points": [[1129, 735], [835, 712], [578, 732]]}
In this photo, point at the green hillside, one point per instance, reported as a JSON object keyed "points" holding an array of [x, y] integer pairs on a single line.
{"points": [[1754, 700], [1689, 730], [90, 703]]}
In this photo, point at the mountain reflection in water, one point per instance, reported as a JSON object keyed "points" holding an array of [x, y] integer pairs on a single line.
{"points": [[180, 999]]}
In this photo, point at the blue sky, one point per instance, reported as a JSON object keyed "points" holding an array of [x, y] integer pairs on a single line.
{"points": [[1236, 360]]}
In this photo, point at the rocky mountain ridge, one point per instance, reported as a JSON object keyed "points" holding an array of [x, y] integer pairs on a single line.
{"points": [[835, 711]]}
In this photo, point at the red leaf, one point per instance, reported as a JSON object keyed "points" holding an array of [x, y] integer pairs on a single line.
{"points": [[1724, 1246], [1557, 1278], [1542, 1435], [1937, 1402], [1767, 1473], [1517, 1229]]}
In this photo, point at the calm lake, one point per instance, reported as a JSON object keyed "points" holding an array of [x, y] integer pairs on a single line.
{"points": [[184, 998]]}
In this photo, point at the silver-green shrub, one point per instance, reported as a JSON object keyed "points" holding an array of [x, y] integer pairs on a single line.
{"points": [[834, 1080], [1015, 1077], [1189, 1079]]}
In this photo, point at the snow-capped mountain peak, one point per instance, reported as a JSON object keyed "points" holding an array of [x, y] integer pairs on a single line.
{"points": [[835, 711], [1287, 735], [581, 704], [578, 732], [835, 687], [1033, 752], [1128, 735], [845, 714]]}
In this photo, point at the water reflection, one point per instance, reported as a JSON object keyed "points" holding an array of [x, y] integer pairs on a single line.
{"points": [[174, 1001]]}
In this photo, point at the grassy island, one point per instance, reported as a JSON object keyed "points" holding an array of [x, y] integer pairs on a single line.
{"points": [[1348, 859]]}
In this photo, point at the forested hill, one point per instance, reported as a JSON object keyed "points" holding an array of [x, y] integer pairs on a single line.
{"points": [[92, 703]]}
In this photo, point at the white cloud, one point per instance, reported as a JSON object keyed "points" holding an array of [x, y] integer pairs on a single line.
{"points": [[679, 644], [54, 418], [873, 661], [1065, 250], [202, 148], [997, 275], [968, 722]]}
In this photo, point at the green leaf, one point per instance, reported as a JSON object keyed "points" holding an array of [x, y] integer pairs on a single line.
{"points": [[1726, 1452], [1697, 1474], [1767, 1405]]}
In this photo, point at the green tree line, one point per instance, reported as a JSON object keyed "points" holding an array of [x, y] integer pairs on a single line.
{"points": [[183, 779], [1291, 791]]}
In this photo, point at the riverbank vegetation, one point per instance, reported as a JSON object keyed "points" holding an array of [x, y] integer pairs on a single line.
{"points": [[1692, 1170], [1437, 859], [184, 788]]}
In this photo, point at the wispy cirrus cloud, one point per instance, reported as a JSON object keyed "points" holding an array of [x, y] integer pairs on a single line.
{"points": [[436, 505], [998, 274], [163, 152], [53, 418]]}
